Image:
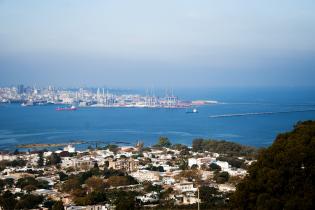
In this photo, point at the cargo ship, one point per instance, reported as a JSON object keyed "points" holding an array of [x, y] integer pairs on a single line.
{"points": [[72, 108]]}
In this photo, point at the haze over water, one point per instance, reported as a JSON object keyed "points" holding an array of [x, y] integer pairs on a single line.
{"points": [[42, 124]]}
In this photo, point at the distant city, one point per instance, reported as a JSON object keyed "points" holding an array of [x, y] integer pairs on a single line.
{"points": [[92, 97]]}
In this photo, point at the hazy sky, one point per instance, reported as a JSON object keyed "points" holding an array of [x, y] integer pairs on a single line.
{"points": [[164, 43]]}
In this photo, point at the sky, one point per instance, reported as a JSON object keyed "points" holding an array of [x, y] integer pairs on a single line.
{"points": [[164, 43]]}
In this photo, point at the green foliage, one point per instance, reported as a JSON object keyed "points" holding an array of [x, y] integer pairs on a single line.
{"points": [[222, 177], [190, 175], [96, 197], [62, 176], [92, 198], [112, 147], [2, 185], [29, 201], [183, 164], [53, 159], [116, 181], [184, 150], [71, 184], [233, 161], [58, 206], [222, 147], [166, 193], [214, 167], [49, 203], [95, 183], [112, 172], [125, 200], [9, 182], [13, 163], [30, 183], [163, 142], [149, 187], [194, 167], [74, 182], [7, 201], [283, 176], [40, 161], [211, 198], [155, 168]]}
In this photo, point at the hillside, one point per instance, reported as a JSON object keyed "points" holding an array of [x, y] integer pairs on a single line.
{"points": [[284, 175]]}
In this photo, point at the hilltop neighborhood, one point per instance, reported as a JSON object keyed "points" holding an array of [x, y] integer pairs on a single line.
{"points": [[125, 177]]}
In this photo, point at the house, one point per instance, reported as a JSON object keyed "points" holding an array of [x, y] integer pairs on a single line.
{"points": [[125, 164], [189, 198], [185, 186], [200, 161], [223, 164], [79, 164], [69, 148], [168, 180], [185, 199], [145, 175], [93, 207], [84, 164], [7, 157], [148, 198]]}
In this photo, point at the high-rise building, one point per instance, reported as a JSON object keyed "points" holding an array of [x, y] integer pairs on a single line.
{"points": [[20, 89]]}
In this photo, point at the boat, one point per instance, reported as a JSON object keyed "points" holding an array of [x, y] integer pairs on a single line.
{"points": [[28, 103], [193, 111], [72, 108]]}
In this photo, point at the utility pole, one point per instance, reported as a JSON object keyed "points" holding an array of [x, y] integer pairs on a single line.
{"points": [[198, 200]]}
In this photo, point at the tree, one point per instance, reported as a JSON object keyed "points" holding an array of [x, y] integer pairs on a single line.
{"points": [[155, 168], [283, 176], [9, 182], [96, 197], [62, 176], [112, 172], [233, 161], [211, 198], [40, 161], [139, 145], [49, 204], [222, 177], [53, 159], [125, 200], [214, 167], [163, 142], [2, 185], [231, 148], [197, 145], [116, 181], [184, 151], [71, 184], [183, 164], [27, 182], [95, 184], [112, 147], [7, 201], [149, 187], [58, 206], [179, 147], [16, 152], [29, 201], [191, 175], [194, 167]]}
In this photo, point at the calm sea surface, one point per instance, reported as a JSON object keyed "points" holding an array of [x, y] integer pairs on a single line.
{"points": [[42, 124]]}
